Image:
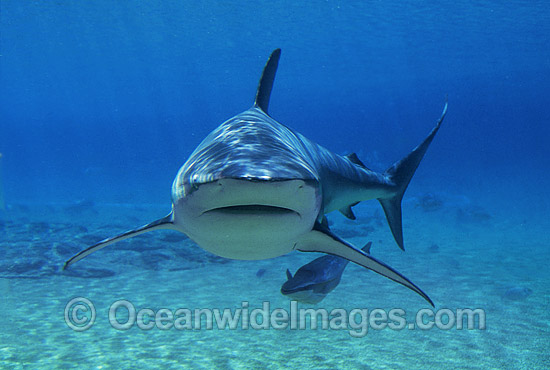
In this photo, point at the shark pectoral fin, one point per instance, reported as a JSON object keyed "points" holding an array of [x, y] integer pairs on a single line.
{"points": [[401, 173], [163, 223], [320, 240], [288, 274]]}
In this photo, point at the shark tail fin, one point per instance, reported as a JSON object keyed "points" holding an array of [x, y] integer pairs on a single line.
{"points": [[163, 223], [266, 81], [401, 174]]}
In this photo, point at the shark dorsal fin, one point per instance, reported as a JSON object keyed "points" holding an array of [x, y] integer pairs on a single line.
{"points": [[288, 274], [266, 81]]}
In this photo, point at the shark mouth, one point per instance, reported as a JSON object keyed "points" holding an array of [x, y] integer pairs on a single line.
{"points": [[253, 209], [296, 290]]}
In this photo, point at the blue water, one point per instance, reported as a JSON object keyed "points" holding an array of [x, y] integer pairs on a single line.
{"points": [[101, 102]]}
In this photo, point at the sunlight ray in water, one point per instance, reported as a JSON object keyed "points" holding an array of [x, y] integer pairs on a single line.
{"points": [[2, 200]]}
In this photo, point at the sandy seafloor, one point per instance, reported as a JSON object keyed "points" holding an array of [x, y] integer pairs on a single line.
{"points": [[482, 251]]}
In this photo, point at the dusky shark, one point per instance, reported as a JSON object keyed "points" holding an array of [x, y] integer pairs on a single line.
{"points": [[254, 189], [313, 281]]}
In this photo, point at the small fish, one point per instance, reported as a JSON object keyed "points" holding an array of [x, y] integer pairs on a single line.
{"points": [[260, 273], [434, 248], [430, 202], [517, 293], [313, 281], [81, 206]]}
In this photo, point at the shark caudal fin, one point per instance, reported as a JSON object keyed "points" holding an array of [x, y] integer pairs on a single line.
{"points": [[164, 223], [401, 174], [266, 81]]}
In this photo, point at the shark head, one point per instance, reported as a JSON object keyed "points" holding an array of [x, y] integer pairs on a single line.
{"points": [[248, 180]]}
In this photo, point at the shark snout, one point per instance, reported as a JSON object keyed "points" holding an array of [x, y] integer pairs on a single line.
{"points": [[254, 196]]}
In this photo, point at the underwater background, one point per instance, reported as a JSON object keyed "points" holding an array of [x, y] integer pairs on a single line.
{"points": [[101, 102]]}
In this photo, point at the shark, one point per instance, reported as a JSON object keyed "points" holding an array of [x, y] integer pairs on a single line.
{"points": [[313, 281], [254, 189]]}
